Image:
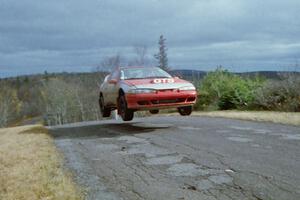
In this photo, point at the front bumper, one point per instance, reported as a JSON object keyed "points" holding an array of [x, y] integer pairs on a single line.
{"points": [[161, 99]]}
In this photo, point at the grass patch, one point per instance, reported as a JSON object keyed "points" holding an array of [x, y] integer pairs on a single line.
{"points": [[35, 130], [31, 168], [289, 118]]}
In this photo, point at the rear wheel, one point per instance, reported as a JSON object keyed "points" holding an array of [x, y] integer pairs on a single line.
{"points": [[105, 111], [186, 110], [154, 111], [126, 113]]}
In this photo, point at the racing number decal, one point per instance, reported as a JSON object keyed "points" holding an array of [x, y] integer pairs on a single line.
{"points": [[164, 80]]}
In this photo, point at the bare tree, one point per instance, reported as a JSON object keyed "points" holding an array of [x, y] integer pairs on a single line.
{"points": [[141, 55], [59, 102], [110, 63], [79, 98], [4, 113], [9, 105]]}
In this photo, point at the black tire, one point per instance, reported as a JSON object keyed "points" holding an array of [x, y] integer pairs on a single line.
{"points": [[186, 110], [154, 111], [105, 111], [124, 112]]}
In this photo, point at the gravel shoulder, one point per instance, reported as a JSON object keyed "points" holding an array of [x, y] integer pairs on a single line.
{"points": [[183, 158], [288, 118]]}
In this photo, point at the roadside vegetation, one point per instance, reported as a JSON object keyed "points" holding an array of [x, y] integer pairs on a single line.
{"points": [[222, 90], [67, 98], [54, 98], [31, 167]]}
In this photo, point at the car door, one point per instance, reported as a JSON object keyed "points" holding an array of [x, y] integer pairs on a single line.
{"points": [[112, 88]]}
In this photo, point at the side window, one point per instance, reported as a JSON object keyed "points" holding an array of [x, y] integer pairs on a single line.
{"points": [[122, 75]]}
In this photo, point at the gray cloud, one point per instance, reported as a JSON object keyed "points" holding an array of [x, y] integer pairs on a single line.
{"points": [[201, 34]]}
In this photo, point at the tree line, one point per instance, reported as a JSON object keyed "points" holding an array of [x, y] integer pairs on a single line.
{"points": [[57, 98]]}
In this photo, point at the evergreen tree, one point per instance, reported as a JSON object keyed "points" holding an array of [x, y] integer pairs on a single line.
{"points": [[46, 75], [161, 56]]}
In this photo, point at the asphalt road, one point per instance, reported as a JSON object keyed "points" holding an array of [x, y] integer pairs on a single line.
{"points": [[183, 158]]}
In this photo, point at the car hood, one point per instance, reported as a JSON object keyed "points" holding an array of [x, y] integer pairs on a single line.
{"points": [[150, 84]]}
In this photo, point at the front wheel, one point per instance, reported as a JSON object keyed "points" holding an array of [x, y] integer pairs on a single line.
{"points": [[186, 110], [124, 112], [105, 111]]}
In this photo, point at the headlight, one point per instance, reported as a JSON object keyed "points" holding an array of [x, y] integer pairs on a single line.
{"points": [[187, 88], [140, 91]]}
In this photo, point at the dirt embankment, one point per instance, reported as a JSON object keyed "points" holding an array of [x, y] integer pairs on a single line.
{"points": [[30, 166]]}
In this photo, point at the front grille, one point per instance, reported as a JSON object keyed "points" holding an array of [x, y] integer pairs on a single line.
{"points": [[190, 99], [142, 103], [167, 90], [166, 101]]}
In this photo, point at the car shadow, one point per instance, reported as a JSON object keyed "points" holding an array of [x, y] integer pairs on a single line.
{"points": [[107, 130]]}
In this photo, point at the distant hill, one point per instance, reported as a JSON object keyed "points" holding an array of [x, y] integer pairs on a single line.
{"points": [[196, 74], [63, 75], [269, 74], [189, 74]]}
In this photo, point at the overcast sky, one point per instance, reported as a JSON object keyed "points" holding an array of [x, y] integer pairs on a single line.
{"points": [[76, 35]]}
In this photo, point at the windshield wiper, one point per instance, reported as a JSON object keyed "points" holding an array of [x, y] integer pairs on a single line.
{"points": [[148, 77], [133, 78]]}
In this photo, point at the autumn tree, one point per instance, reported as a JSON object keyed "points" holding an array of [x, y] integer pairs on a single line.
{"points": [[9, 105]]}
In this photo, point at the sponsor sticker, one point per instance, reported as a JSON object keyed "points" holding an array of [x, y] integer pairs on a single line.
{"points": [[163, 80]]}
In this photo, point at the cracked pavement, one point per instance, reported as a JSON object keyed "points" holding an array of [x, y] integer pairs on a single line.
{"points": [[183, 158]]}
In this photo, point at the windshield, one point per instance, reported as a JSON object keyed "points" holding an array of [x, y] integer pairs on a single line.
{"points": [[141, 73]]}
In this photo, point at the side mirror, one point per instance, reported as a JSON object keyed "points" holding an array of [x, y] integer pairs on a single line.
{"points": [[113, 81]]}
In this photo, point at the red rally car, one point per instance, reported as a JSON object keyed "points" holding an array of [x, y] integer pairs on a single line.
{"points": [[130, 89]]}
